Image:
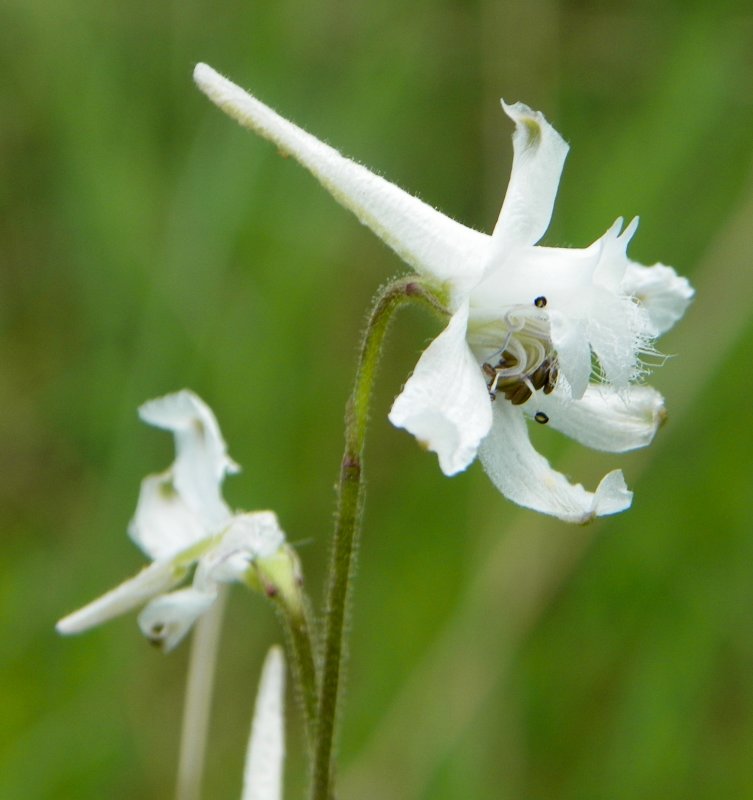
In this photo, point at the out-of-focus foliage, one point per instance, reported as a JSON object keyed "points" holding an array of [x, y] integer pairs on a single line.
{"points": [[147, 243]]}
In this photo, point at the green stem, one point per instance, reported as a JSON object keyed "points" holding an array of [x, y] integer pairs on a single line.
{"points": [[301, 645], [280, 577], [348, 517]]}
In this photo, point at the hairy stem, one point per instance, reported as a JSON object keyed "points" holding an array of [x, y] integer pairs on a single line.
{"points": [[304, 667], [348, 517]]}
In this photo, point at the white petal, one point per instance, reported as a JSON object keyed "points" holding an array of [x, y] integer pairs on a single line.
{"points": [[445, 403], [248, 538], [586, 306], [539, 155], [617, 332], [566, 276], [612, 249], [163, 524], [154, 579], [605, 419], [169, 617], [424, 238], [201, 454], [526, 478], [262, 773], [661, 291], [570, 340], [617, 326]]}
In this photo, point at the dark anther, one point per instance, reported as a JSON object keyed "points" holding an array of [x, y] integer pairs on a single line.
{"points": [[551, 380], [507, 360], [540, 301], [540, 376], [541, 418], [518, 393]]}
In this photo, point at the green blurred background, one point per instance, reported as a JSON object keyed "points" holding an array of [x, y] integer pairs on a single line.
{"points": [[148, 243]]}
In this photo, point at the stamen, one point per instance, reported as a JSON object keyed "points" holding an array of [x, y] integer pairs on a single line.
{"points": [[526, 361], [541, 418]]}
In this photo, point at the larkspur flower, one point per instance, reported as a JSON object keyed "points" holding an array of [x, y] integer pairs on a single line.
{"points": [[182, 521], [551, 334], [262, 773]]}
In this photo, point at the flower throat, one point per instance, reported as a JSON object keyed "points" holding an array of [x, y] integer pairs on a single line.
{"points": [[526, 362]]}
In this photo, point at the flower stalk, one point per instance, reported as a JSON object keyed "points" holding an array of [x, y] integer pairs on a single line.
{"points": [[301, 645], [391, 297], [280, 577], [198, 701]]}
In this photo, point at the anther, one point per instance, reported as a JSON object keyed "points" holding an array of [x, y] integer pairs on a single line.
{"points": [[518, 393], [541, 418], [540, 376], [507, 360], [551, 380], [540, 301]]}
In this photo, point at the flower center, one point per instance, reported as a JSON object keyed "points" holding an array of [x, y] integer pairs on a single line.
{"points": [[524, 360]]}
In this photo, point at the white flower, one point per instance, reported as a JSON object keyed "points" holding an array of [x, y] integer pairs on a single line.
{"points": [[548, 333], [262, 774], [181, 520]]}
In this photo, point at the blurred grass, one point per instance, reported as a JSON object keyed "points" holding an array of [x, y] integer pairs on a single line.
{"points": [[148, 244]]}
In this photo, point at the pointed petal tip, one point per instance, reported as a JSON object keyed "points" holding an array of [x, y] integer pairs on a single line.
{"points": [[535, 123], [516, 110], [630, 230], [619, 230], [612, 495]]}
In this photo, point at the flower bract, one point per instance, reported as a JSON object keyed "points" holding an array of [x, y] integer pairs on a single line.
{"points": [[559, 336]]}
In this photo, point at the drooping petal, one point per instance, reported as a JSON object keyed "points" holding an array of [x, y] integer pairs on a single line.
{"points": [[661, 291], [262, 773], [152, 580], [169, 617], [604, 419], [163, 524], [525, 477], [248, 537], [201, 454], [539, 155], [445, 403], [427, 240]]}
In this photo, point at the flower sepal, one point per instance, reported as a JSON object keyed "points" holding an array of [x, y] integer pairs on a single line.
{"points": [[280, 577]]}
